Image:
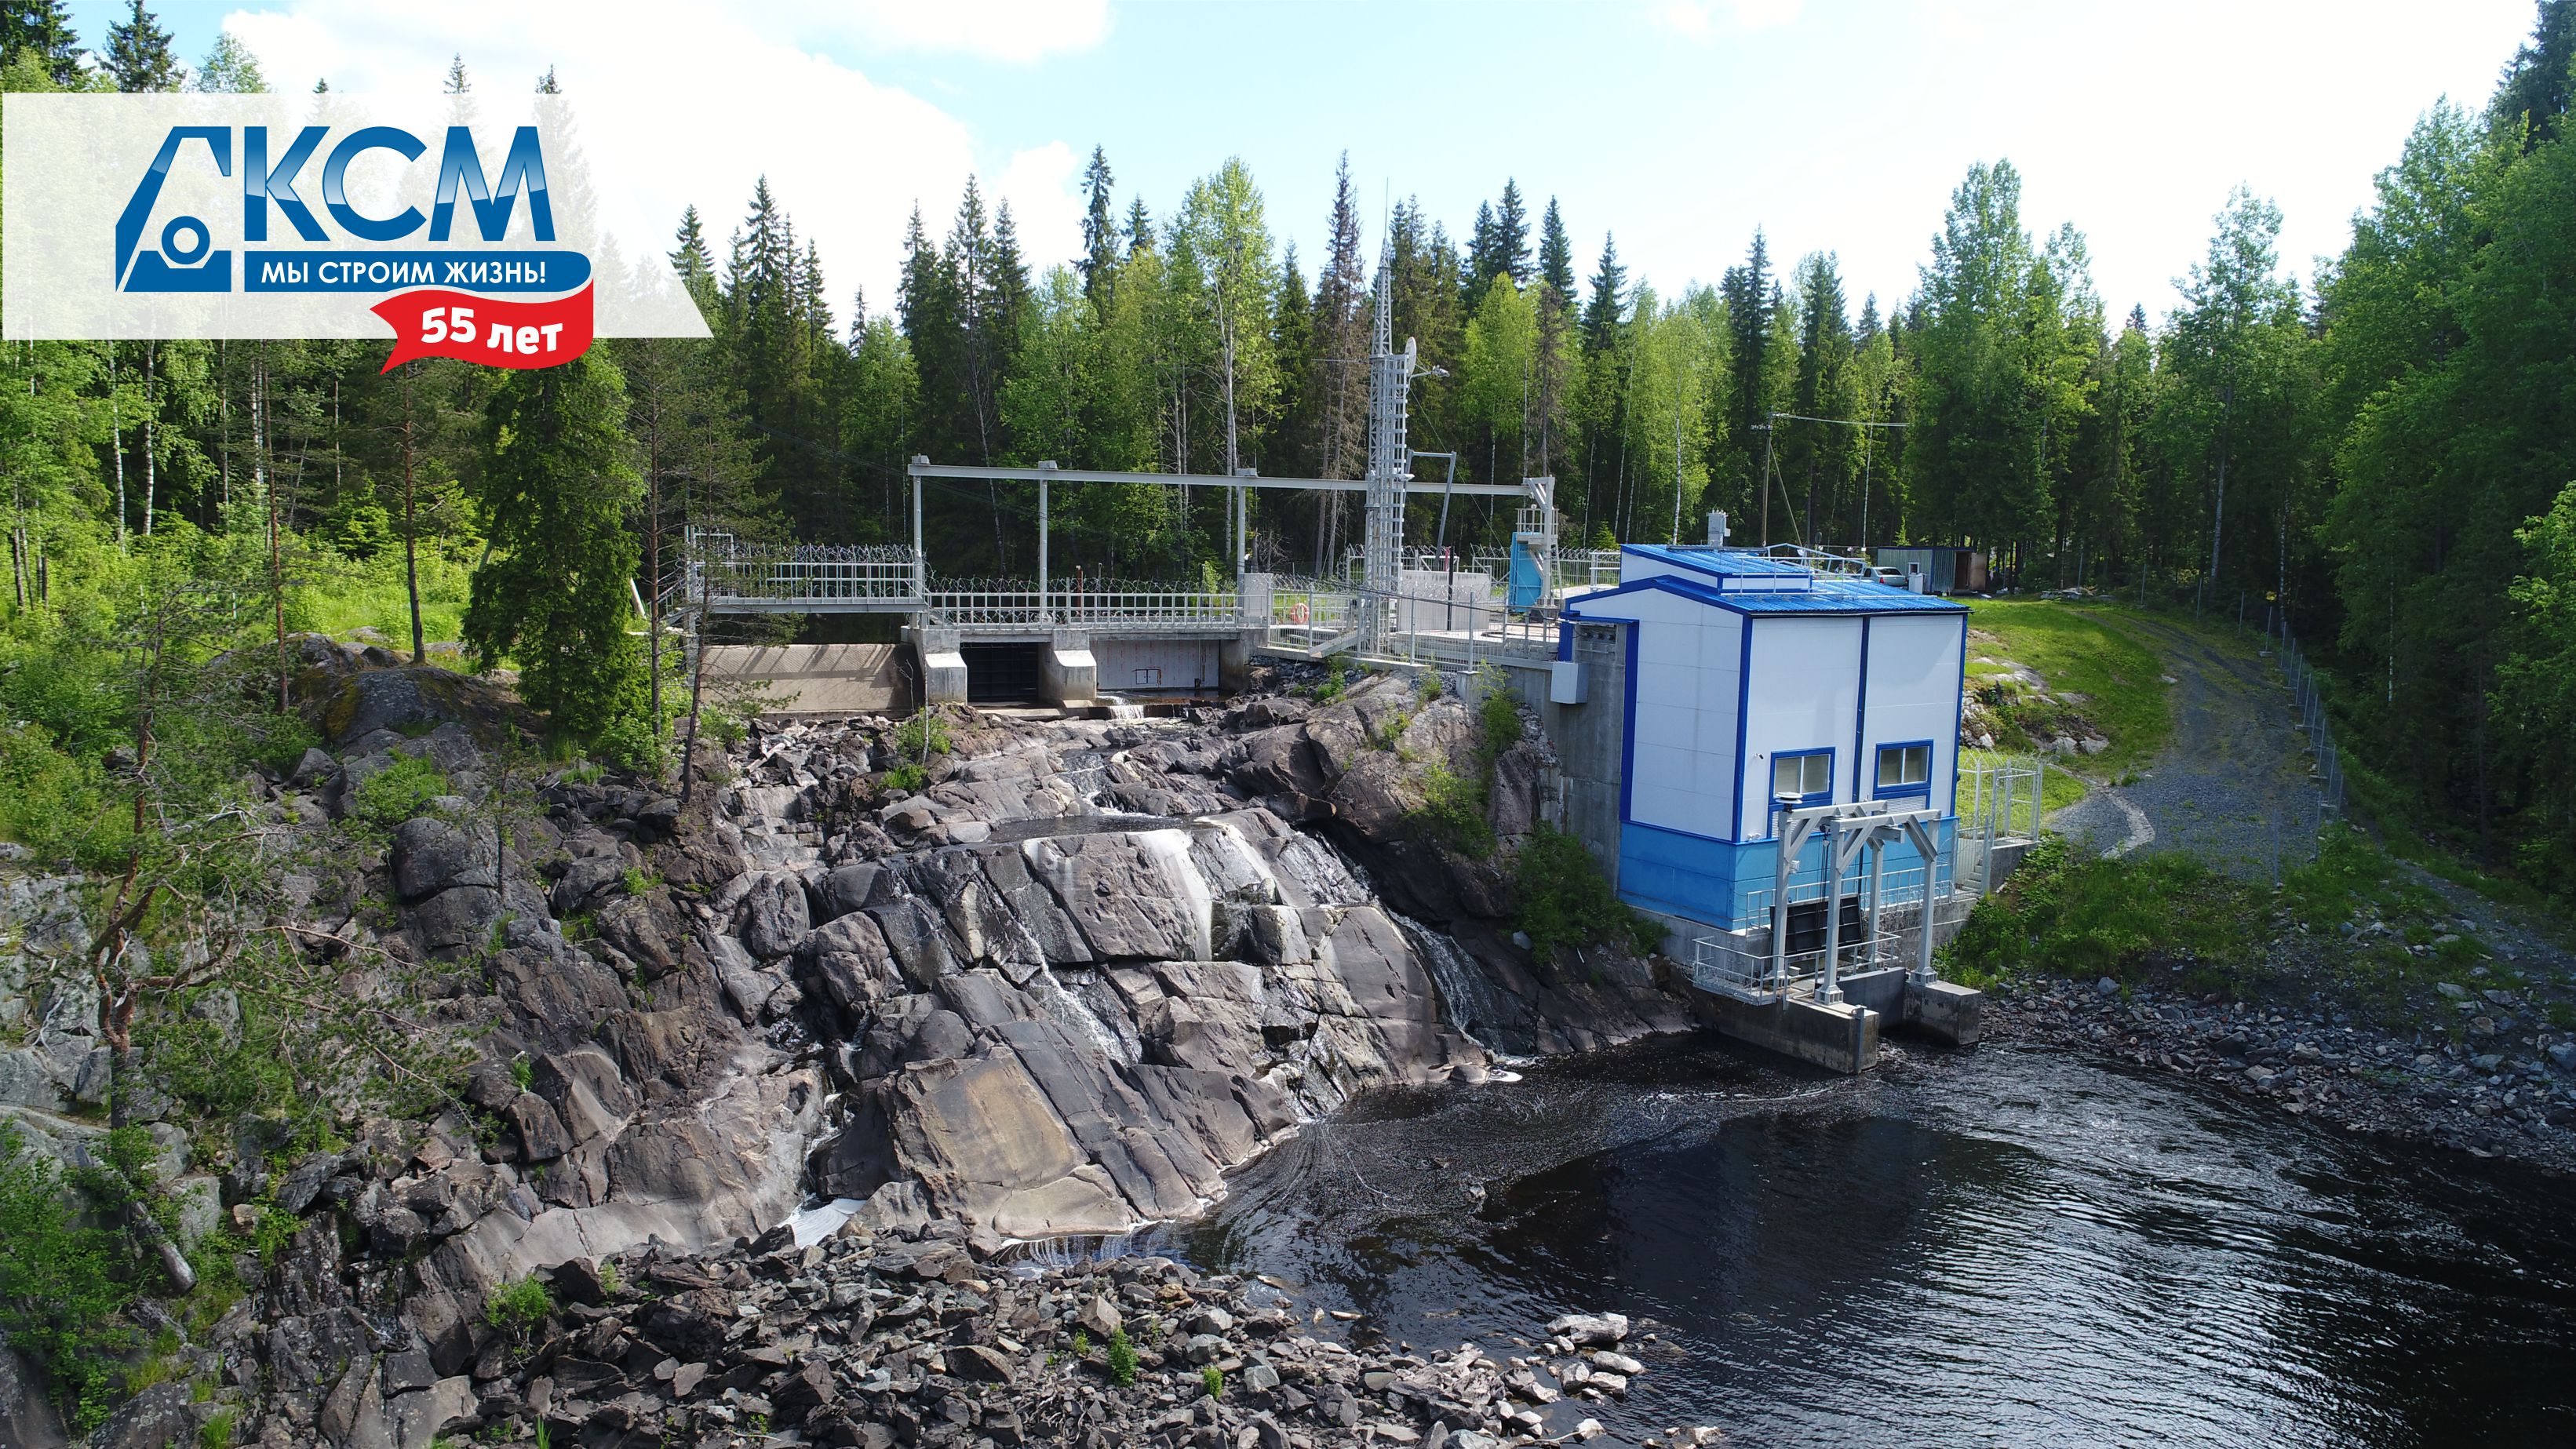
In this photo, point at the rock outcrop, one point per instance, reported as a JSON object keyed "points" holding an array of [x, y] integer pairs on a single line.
{"points": [[1060, 990]]}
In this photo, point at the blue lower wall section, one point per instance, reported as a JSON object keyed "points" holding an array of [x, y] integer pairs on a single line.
{"points": [[1728, 885]]}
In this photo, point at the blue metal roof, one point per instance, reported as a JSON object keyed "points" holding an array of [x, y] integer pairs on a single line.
{"points": [[1831, 595], [1725, 563]]}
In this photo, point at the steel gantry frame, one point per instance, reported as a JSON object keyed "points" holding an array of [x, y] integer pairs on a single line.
{"points": [[722, 576]]}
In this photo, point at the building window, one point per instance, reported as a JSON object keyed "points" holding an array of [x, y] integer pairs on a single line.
{"points": [[1806, 774], [1905, 769]]}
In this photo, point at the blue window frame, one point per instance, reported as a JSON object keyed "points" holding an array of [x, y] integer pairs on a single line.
{"points": [[1904, 768], [1806, 774]]}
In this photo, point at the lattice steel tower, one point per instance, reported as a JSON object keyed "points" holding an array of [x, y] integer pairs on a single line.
{"points": [[1390, 464]]}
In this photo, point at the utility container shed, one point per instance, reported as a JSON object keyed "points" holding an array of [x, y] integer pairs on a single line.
{"points": [[1754, 685]]}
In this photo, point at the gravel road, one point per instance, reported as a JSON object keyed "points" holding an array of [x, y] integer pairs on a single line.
{"points": [[2233, 779]]}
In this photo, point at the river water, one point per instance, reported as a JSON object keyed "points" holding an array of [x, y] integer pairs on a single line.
{"points": [[2000, 1247]]}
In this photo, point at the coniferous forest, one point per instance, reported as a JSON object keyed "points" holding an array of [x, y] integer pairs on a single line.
{"points": [[2382, 451]]}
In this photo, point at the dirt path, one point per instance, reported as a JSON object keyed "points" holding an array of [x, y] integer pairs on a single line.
{"points": [[2231, 783]]}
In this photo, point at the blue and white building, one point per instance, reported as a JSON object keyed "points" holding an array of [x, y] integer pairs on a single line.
{"points": [[1757, 691]]}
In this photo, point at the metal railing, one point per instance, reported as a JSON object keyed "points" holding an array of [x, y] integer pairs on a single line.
{"points": [[1724, 968], [730, 575], [1999, 798], [1904, 888], [1097, 605]]}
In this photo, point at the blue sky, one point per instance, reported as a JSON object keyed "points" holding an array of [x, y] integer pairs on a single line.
{"points": [[1680, 126]]}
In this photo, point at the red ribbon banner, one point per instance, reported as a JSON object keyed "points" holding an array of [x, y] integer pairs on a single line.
{"points": [[435, 322]]}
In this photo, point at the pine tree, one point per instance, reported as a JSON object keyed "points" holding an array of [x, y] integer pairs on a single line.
{"points": [[1556, 256], [554, 496], [1140, 228], [457, 84], [546, 84], [43, 27], [1099, 227], [139, 56]]}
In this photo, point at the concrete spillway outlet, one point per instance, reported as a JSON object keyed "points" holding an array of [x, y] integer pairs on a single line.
{"points": [[1842, 1037]]}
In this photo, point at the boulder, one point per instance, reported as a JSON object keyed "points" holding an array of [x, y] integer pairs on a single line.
{"points": [[416, 699], [774, 915], [430, 855], [422, 1417], [458, 917]]}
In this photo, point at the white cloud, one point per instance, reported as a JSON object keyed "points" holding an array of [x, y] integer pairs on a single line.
{"points": [[680, 104], [1018, 31], [1699, 19]]}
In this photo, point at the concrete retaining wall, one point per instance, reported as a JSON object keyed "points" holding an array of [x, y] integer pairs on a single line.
{"points": [[825, 679]]}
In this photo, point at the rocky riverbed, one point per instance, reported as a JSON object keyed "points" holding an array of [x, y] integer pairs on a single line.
{"points": [[2508, 1090], [1025, 979], [867, 1338]]}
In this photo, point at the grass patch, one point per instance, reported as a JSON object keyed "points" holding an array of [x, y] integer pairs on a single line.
{"points": [[2072, 915], [2075, 649]]}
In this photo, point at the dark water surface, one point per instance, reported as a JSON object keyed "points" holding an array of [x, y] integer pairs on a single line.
{"points": [[1996, 1248]]}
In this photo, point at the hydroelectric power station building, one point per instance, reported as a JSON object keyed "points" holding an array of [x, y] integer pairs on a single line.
{"points": [[1785, 737]]}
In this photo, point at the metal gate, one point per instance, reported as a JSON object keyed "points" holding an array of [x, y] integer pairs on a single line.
{"points": [[1001, 673]]}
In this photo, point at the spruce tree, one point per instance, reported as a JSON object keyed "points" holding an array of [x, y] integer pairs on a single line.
{"points": [[1609, 291], [554, 497], [1511, 234], [1556, 256], [42, 26], [139, 56], [1099, 229]]}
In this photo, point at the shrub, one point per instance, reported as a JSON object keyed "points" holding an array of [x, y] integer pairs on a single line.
{"points": [[1081, 1343], [518, 1307], [640, 882], [1122, 1359], [63, 1285], [399, 791], [923, 735], [1212, 1379], [1453, 812], [522, 1071], [611, 1282], [906, 778], [1498, 721], [1566, 901]]}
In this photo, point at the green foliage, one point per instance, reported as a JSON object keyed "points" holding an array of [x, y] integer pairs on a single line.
{"points": [[517, 1307], [1081, 1343], [555, 491], [923, 735], [523, 1071], [1212, 1381], [2086, 917], [1453, 812], [2086, 651], [217, 1432], [398, 792], [1122, 1359], [641, 882], [64, 1284], [1335, 683], [906, 779], [611, 1282], [1498, 722], [1565, 901]]}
